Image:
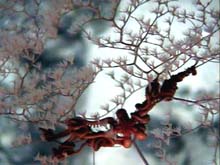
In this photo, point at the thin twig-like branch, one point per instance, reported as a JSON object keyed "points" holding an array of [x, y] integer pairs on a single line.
{"points": [[140, 153]]}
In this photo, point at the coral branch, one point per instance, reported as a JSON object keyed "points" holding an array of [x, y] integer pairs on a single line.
{"points": [[122, 129]]}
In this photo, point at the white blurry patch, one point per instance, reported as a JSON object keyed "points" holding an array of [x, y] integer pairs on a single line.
{"points": [[6, 139], [116, 155], [100, 128]]}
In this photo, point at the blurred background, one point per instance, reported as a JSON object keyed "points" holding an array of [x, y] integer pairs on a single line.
{"points": [[190, 149]]}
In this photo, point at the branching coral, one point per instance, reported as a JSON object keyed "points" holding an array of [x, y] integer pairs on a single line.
{"points": [[123, 129]]}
